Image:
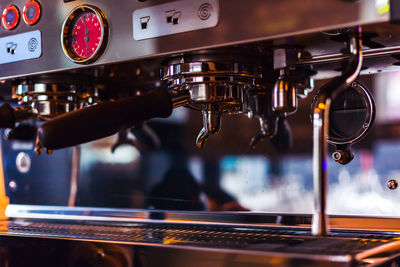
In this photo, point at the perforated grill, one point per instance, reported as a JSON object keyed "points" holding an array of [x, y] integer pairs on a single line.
{"points": [[264, 239]]}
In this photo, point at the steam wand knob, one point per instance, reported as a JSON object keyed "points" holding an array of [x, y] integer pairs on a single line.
{"points": [[343, 154]]}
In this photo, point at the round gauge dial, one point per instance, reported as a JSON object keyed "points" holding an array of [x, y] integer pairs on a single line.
{"points": [[85, 34]]}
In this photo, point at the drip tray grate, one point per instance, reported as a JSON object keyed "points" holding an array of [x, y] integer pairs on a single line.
{"points": [[272, 239]]}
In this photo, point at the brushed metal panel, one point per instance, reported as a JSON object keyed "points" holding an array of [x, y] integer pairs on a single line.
{"points": [[241, 21]]}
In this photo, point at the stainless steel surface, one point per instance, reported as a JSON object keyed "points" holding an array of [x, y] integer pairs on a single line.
{"points": [[54, 98], [234, 219], [288, 245], [367, 53], [180, 98], [281, 18], [218, 57], [215, 82], [132, 215], [320, 224]]}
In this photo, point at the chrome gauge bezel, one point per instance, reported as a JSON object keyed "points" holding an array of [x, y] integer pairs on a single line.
{"points": [[66, 31]]}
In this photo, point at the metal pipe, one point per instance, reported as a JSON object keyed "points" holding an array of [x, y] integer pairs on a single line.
{"points": [[320, 224], [375, 52], [73, 190]]}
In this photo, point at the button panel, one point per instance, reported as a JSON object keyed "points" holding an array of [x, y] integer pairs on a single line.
{"points": [[20, 47]]}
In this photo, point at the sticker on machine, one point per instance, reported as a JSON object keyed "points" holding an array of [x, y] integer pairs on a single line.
{"points": [[175, 17], [19, 47]]}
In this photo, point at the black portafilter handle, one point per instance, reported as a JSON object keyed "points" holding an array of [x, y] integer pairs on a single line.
{"points": [[104, 119], [7, 116]]}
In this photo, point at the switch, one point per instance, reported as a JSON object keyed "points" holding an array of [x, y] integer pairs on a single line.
{"points": [[31, 12], [10, 17]]}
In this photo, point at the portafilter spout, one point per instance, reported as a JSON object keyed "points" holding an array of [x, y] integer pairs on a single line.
{"points": [[258, 104], [212, 124], [320, 224]]}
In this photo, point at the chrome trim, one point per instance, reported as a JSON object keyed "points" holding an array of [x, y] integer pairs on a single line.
{"points": [[367, 53], [65, 213], [369, 119], [134, 215]]}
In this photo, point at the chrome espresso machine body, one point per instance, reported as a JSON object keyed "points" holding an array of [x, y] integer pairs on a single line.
{"points": [[73, 72]]}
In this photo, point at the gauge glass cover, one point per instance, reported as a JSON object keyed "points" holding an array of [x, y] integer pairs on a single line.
{"points": [[84, 34]]}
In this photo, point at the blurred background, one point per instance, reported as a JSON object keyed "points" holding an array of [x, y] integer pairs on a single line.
{"points": [[226, 175]]}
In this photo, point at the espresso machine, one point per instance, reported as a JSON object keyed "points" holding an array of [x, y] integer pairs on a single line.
{"points": [[82, 82]]}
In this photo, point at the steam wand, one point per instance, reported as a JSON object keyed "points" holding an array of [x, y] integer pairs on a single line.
{"points": [[320, 224]]}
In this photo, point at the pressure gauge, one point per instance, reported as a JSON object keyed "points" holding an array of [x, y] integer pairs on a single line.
{"points": [[85, 34]]}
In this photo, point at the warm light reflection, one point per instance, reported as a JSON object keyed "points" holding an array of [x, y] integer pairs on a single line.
{"points": [[322, 106], [100, 151]]}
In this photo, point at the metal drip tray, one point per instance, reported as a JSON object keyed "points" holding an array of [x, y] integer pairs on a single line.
{"points": [[350, 244]]}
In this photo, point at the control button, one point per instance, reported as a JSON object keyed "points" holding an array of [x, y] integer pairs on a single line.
{"points": [[13, 185], [10, 17], [31, 12], [23, 162]]}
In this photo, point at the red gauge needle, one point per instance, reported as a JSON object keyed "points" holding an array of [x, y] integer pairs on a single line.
{"points": [[86, 36], [84, 23], [87, 45]]}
